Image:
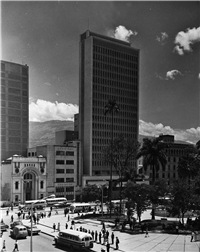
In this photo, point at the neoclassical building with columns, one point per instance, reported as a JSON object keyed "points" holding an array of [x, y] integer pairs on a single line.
{"points": [[23, 178]]}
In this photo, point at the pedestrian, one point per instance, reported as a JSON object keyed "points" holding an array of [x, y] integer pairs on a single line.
{"points": [[66, 225], [4, 245], [54, 227], [58, 226], [112, 237], [51, 208], [177, 229], [108, 247], [107, 234], [71, 227], [96, 235], [81, 229], [23, 215], [103, 225], [192, 236], [68, 217], [16, 246], [100, 237], [146, 233], [117, 243], [92, 233], [12, 218]]}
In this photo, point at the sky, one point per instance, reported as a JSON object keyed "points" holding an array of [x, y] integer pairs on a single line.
{"points": [[45, 36]]}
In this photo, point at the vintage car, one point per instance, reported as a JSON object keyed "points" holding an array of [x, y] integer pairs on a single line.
{"points": [[35, 230], [19, 231]]}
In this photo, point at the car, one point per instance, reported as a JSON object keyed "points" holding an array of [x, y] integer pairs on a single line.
{"points": [[15, 223], [3, 227], [19, 231], [35, 230]]}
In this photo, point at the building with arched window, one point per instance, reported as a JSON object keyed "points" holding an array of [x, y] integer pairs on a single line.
{"points": [[23, 178]]}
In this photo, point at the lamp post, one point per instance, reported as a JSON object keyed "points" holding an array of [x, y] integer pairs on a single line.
{"points": [[110, 108], [31, 241]]}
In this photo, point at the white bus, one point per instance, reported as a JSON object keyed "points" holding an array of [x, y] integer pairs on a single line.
{"points": [[52, 201], [82, 207], [39, 204], [74, 239]]}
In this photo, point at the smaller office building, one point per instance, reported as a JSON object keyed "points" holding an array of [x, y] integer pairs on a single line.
{"points": [[23, 178]]}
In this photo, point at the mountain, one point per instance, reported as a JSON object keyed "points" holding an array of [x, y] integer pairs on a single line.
{"points": [[43, 133]]}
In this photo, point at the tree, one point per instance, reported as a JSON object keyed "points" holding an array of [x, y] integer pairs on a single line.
{"points": [[138, 197], [122, 154], [182, 198], [91, 193], [153, 153], [188, 166]]}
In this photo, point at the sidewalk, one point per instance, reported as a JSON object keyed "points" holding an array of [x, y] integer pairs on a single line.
{"points": [[156, 242]]}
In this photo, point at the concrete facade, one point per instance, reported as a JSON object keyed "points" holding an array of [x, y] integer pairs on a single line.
{"points": [[14, 109], [23, 178], [109, 69]]}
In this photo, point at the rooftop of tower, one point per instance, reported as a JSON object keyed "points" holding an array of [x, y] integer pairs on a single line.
{"points": [[88, 33]]}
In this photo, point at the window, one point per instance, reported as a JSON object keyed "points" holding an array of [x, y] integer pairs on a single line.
{"points": [[69, 171], [41, 184], [62, 162], [69, 179], [41, 196], [60, 171], [60, 180], [16, 185], [70, 189], [60, 153], [69, 162], [69, 153], [16, 198], [59, 189]]}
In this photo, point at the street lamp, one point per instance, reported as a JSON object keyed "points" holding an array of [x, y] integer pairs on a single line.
{"points": [[31, 243], [110, 108]]}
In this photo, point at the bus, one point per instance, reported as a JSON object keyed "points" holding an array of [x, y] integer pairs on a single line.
{"points": [[52, 201], [39, 204], [82, 207], [74, 239]]}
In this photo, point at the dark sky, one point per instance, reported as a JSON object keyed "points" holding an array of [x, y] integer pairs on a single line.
{"points": [[45, 36]]}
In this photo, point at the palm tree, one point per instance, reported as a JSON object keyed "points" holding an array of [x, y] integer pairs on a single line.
{"points": [[111, 107], [153, 153]]}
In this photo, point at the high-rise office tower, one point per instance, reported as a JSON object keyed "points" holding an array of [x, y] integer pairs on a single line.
{"points": [[109, 69], [14, 109]]}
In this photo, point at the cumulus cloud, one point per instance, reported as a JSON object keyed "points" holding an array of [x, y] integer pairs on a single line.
{"points": [[122, 33], [41, 111], [163, 36], [171, 74], [191, 135], [184, 40]]}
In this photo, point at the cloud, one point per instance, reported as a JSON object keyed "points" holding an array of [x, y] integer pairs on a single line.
{"points": [[41, 111], [162, 37], [184, 40], [122, 33], [191, 135], [171, 74]]}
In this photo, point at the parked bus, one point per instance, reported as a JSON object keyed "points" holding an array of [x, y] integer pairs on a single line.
{"points": [[74, 239], [39, 204], [82, 207], [52, 201]]}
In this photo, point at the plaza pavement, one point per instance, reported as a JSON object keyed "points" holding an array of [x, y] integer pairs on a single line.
{"points": [[156, 242]]}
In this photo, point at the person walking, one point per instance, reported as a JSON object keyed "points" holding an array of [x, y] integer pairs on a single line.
{"points": [[54, 227], [107, 234], [92, 233], [146, 233], [16, 246], [12, 218], [108, 247], [112, 237], [68, 217], [117, 243], [96, 235], [100, 237], [58, 226], [66, 225], [192, 236], [4, 245]]}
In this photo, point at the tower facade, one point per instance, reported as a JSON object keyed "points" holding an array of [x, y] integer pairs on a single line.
{"points": [[109, 70], [14, 109]]}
